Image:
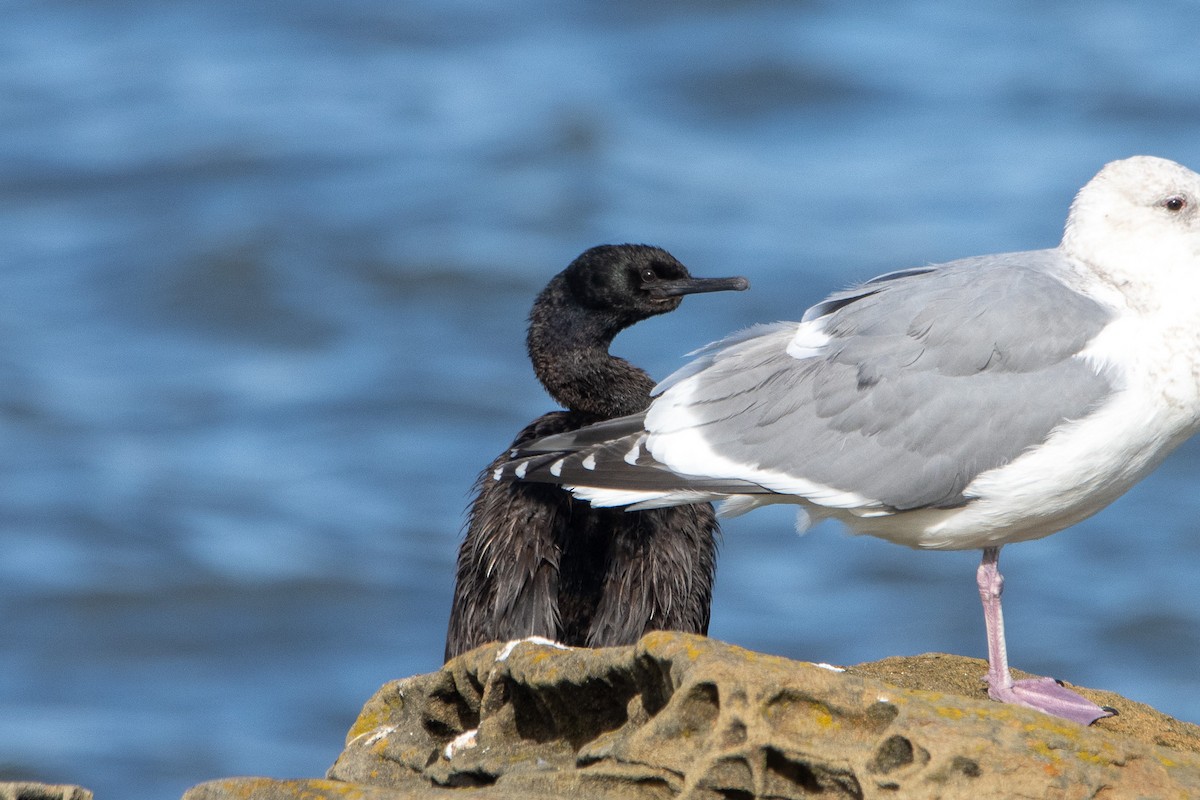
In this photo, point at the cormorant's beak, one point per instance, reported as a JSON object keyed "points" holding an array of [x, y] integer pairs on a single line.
{"points": [[682, 286]]}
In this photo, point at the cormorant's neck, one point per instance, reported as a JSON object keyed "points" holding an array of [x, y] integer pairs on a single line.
{"points": [[568, 345]]}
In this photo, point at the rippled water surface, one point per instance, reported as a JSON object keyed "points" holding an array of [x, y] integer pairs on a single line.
{"points": [[265, 275]]}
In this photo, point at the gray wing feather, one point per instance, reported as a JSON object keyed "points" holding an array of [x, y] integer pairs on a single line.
{"points": [[595, 434], [932, 376]]}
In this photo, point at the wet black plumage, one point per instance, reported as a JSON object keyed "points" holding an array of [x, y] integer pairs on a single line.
{"points": [[534, 560]]}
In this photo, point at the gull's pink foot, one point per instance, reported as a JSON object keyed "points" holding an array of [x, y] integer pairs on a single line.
{"points": [[1051, 697]]}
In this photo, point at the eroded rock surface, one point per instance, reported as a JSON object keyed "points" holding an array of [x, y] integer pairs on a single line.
{"points": [[25, 790], [680, 716]]}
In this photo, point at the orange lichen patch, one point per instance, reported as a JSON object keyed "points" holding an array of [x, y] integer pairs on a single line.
{"points": [[314, 789], [371, 719]]}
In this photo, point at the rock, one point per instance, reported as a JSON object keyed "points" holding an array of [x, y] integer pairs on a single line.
{"points": [[268, 789], [684, 716], [42, 791]]}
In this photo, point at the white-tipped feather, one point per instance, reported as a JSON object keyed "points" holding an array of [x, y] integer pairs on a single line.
{"points": [[636, 500], [810, 340]]}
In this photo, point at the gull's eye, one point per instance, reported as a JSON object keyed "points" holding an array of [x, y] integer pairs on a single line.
{"points": [[1175, 203]]}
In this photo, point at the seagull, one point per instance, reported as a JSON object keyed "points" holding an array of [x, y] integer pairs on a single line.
{"points": [[534, 561], [964, 405]]}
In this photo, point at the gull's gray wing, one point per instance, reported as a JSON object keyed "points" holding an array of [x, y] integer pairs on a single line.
{"points": [[916, 383]]}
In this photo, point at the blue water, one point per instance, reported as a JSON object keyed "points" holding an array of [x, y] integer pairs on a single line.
{"points": [[265, 272]]}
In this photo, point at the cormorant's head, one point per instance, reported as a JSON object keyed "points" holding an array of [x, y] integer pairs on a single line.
{"points": [[637, 280]]}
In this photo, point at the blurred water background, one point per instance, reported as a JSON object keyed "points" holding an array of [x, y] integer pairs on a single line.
{"points": [[265, 274]]}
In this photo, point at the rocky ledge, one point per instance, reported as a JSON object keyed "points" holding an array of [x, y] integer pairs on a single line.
{"points": [[23, 790], [689, 717]]}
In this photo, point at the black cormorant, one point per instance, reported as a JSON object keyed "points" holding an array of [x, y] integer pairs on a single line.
{"points": [[534, 560]]}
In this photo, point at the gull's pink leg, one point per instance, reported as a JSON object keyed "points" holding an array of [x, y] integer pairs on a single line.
{"points": [[1043, 694]]}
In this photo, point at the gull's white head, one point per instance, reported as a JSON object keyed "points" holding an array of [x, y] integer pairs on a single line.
{"points": [[1138, 222]]}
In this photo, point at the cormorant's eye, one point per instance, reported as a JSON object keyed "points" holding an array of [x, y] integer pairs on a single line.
{"points": [[1175, 203]]}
